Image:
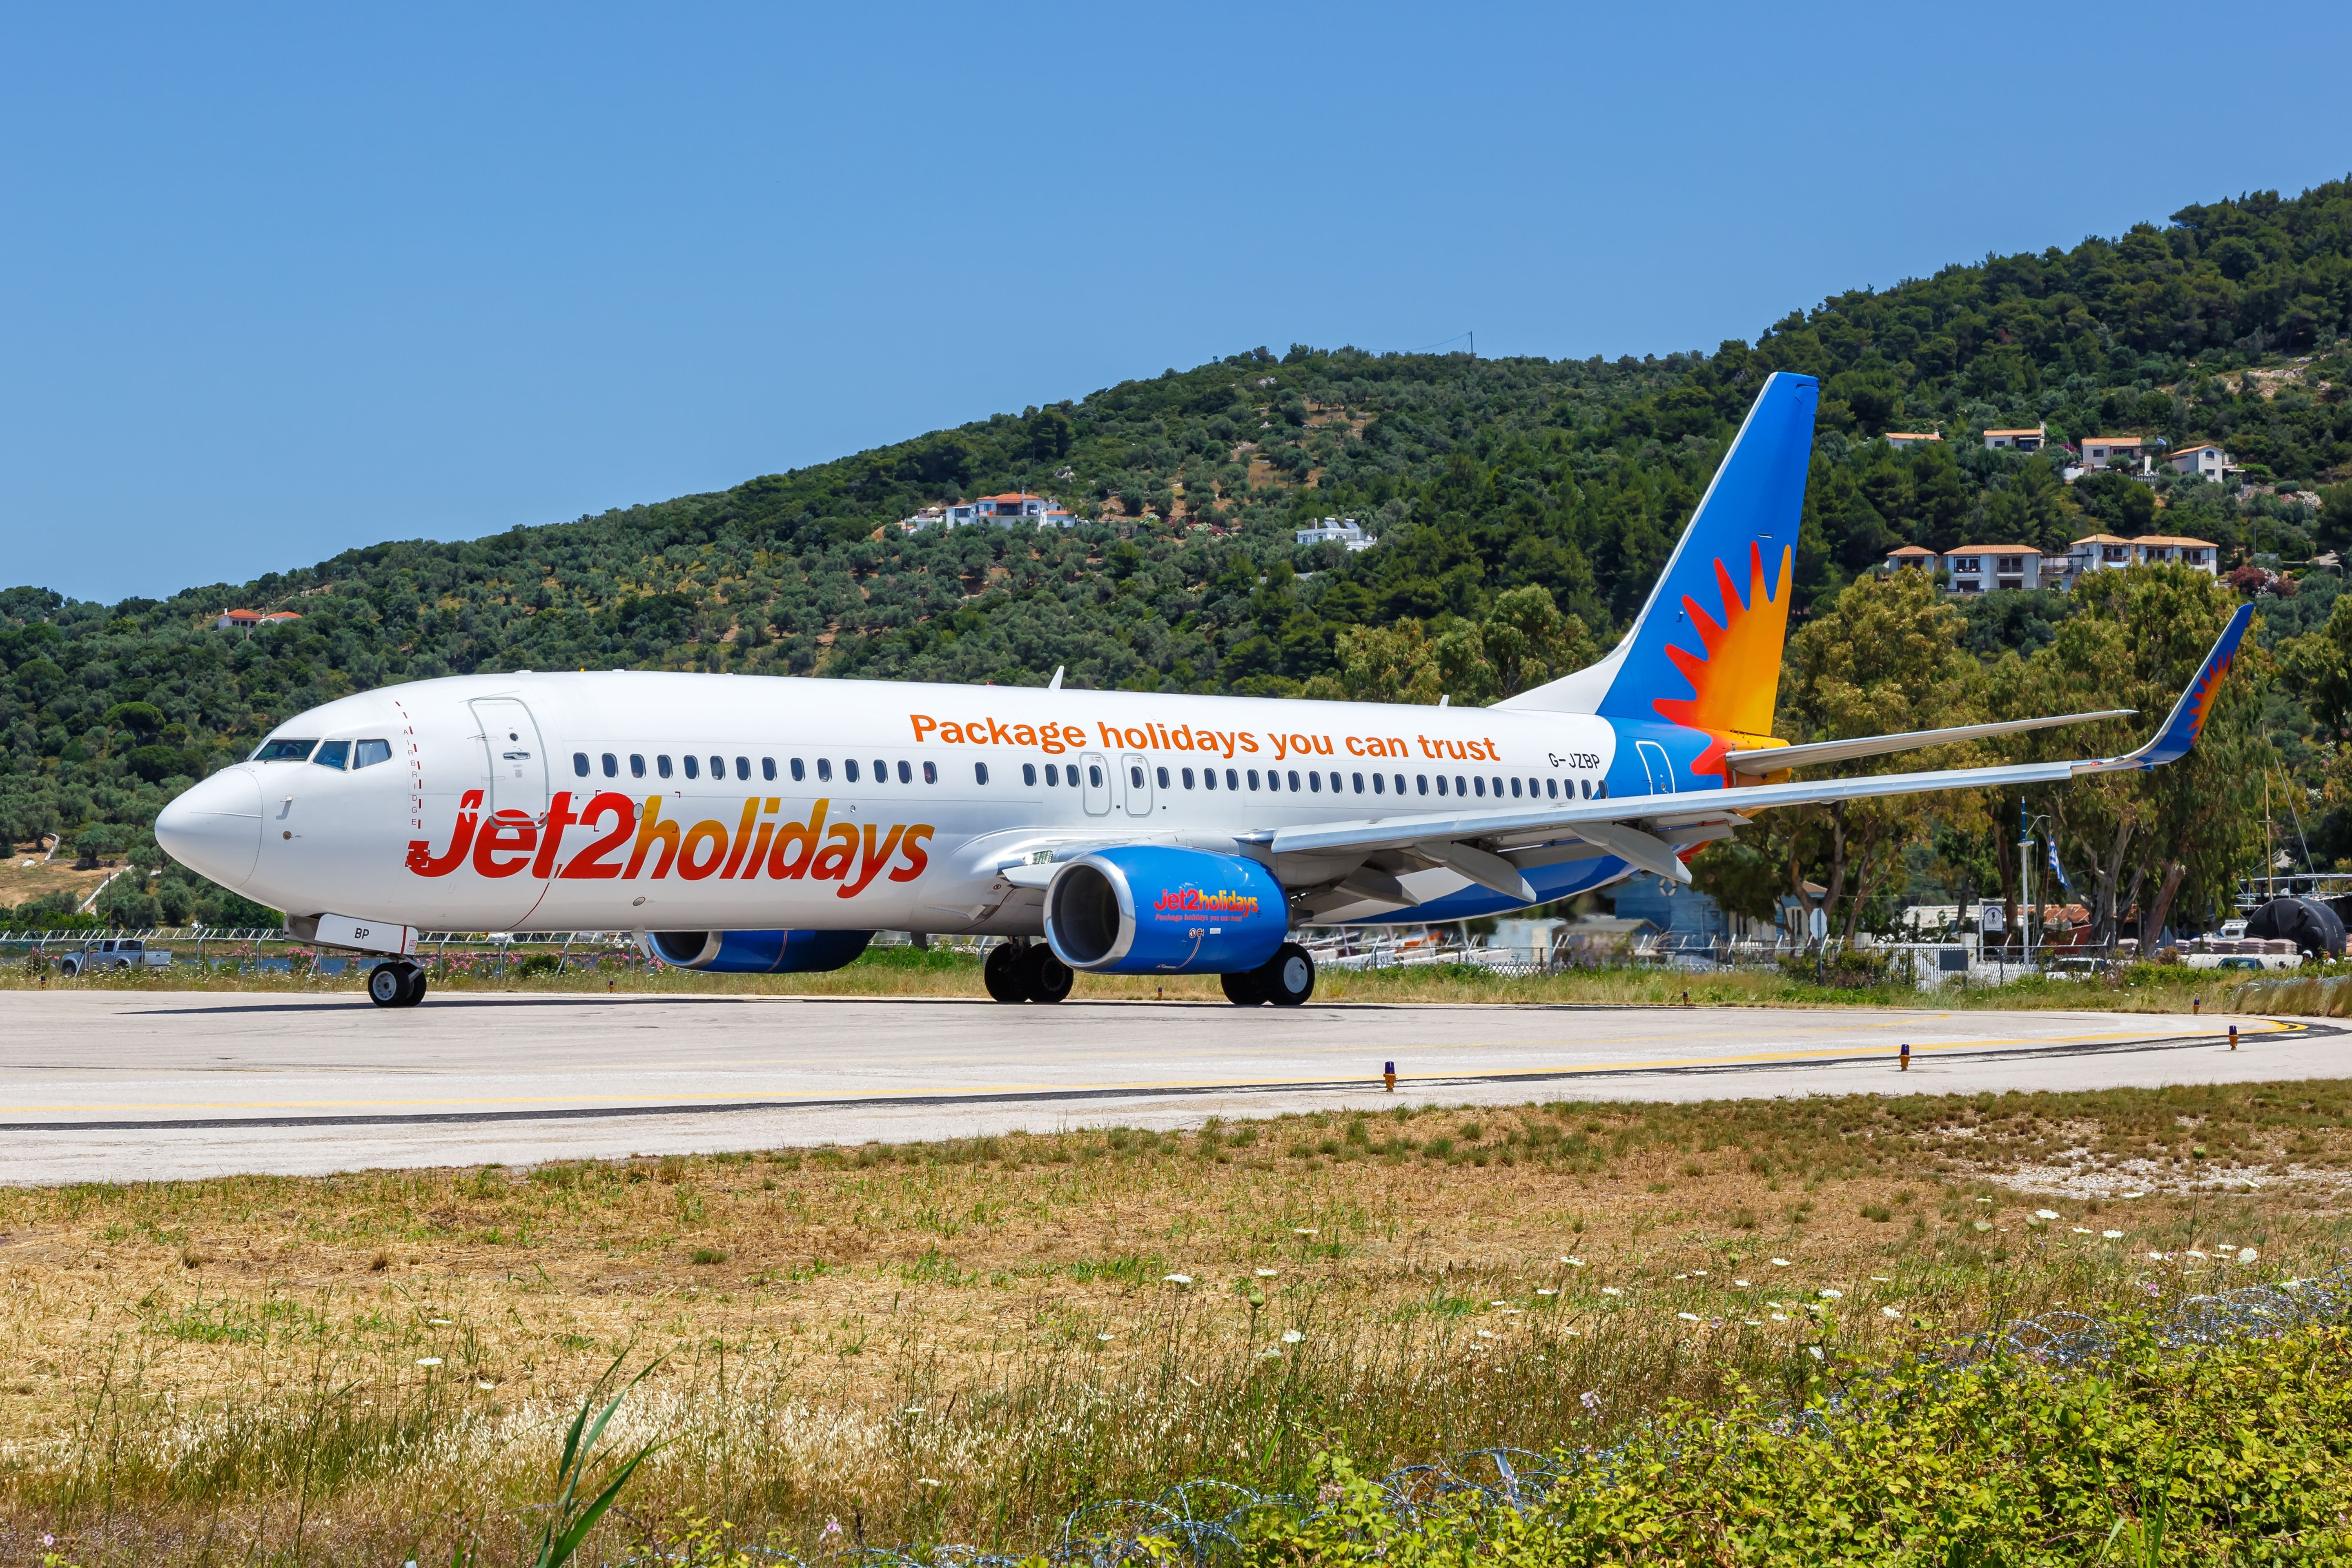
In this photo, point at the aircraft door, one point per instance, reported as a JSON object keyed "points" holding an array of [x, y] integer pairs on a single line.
{"points": [[515, 763], [1096, 782], [1138, 783], [1655, 763]]}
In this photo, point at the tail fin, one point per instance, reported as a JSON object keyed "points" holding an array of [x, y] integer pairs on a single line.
{"points": [[1700, 634]]}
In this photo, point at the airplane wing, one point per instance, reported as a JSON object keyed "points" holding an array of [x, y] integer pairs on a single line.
{"points": [[1757, 760], [1649, 831]]}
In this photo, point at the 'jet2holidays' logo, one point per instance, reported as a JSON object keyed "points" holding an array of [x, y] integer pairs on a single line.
{"points": [[1189, 901], [642, 845]]}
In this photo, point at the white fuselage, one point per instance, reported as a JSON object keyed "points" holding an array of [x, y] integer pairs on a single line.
{"points": [[630, 800]]}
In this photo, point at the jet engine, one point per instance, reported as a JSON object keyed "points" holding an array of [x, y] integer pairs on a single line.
{"points": [[1149, 908], [756, 952]]}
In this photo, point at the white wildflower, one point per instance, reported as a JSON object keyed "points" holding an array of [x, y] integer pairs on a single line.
{"points": [[1175, 1279], [1779, 1263], [1687, 1317], [428, 1360], [2112, 1234], [1831, 1295], [1888, 1313], [1291, 1336]]}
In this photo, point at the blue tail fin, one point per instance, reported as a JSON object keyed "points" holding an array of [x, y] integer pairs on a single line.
{"points": [[1706, 650]]}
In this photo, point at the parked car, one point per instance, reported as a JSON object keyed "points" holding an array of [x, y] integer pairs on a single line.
{"points": [[114, 953]]}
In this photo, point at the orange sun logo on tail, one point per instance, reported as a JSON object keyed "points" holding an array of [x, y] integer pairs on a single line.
{"points": [[1736, 676]]}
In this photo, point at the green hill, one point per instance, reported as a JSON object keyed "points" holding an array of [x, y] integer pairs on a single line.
{"points": [[1479, 477]]}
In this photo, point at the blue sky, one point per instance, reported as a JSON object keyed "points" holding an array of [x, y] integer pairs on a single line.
{"points": [[283, 281]]}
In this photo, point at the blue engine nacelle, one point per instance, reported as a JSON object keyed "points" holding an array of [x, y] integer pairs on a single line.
{"points": [[756, 952], [1147, 909]]}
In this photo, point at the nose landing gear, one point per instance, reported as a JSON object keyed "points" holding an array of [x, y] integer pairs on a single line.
{"points": [[395, 985]]}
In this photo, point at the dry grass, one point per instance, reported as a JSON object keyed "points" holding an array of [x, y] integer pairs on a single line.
{"points": [[965, 1341]]}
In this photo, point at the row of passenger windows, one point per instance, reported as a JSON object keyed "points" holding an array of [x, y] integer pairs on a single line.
{"points": [[1061, 776], [1312, 781]]}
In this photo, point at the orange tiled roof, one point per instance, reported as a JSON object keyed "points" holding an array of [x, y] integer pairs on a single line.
{"points": [[2163, 540], [2103, 539], [1993, 550]]}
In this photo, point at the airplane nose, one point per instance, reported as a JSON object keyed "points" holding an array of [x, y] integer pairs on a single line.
{"points": [[216, 826]]}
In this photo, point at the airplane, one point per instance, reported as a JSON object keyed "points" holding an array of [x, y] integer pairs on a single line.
{"points": [[742, 824]]}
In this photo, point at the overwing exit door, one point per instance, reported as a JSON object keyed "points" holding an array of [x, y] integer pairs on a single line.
{"points": [[514, 763], [1139, 783], [1095, 782]]}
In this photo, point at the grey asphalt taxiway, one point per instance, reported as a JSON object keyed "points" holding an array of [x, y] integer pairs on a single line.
{"points": [[125, 1085]]}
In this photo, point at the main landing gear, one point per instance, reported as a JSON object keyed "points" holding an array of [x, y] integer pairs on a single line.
{"points": [[395, 985], [1286, 980], [1026, 972]]}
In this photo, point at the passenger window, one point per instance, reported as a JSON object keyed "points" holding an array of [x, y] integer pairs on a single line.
{"points": [[824, 770], [1163, 778], [1461, 784], [333, 754], [1551, 788], [1208, 778], [1094, 775], [1053, 775], [1379, 785], [1601, 789], [580, 764], [1253, 778], [1135, 775], [768, 768], [1481, 787], [1498, 788], [849, 768], [1335, 784], [1423, 779], [718, 767], [882, 771], [1070, 775], [661, 765], [1441, 783], [693, 766], [1586, 786], [1399, 781], [367, 754], [742, 767], [1360, 783], [799, 771], [1188, 778], [1314, 781], [1515, 789], [1232, 780], [979, 772], [1028, 774], [611, 766], [931, 771], [1293, 779], [906, 772], [636, 764]]}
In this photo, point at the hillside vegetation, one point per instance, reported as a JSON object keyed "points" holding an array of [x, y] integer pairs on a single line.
{"points": [[1524, 507]]}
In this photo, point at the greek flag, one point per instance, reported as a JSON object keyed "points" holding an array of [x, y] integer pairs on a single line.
{"points": [[2056, 870]]}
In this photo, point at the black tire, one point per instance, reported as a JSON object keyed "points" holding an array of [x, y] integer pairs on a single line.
{"points": [[1003, 975], [416, 986], [1244, 987], [387, 985], [1049, 979], [1288, 976]]}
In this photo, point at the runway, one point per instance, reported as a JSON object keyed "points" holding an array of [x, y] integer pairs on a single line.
{"points": [[118, 1086]]}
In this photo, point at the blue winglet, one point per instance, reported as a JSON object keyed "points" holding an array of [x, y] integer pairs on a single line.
{"points": [[2188, 715]]}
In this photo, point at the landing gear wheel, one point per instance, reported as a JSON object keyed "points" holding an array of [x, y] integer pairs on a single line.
{"points": [[388, 985], [1049, 979], [415, 987], [1244, 987], [1002, 974], [1288, 976]]}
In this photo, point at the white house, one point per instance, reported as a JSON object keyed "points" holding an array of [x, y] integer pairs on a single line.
{"points": [[2098, 552], [2118, 451], [1983, 568], [1899, 440], [2202, 553], [1336, 531], [1015, 508], [2207, 460], [2017, 440], [1916, 556]]}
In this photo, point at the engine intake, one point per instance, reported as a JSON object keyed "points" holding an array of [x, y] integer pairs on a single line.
{"points": [[1147, 909], [756, 952]]}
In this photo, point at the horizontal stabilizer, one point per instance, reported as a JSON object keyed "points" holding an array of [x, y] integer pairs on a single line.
{"points": [[1761, 760]]}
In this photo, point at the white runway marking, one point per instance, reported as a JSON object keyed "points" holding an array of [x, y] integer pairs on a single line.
{"points": [[124, 1085]]}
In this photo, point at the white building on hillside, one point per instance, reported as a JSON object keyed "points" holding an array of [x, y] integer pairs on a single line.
{"points": [[1336, 531], [2207, 460], [2031, 440]]}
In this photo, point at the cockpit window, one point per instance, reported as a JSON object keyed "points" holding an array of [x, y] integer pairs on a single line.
{"points": [[333, 754], [367, 754], [283, 750]]}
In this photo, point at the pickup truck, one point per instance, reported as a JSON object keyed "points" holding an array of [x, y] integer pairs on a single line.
{"points": [[113, 952]]}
